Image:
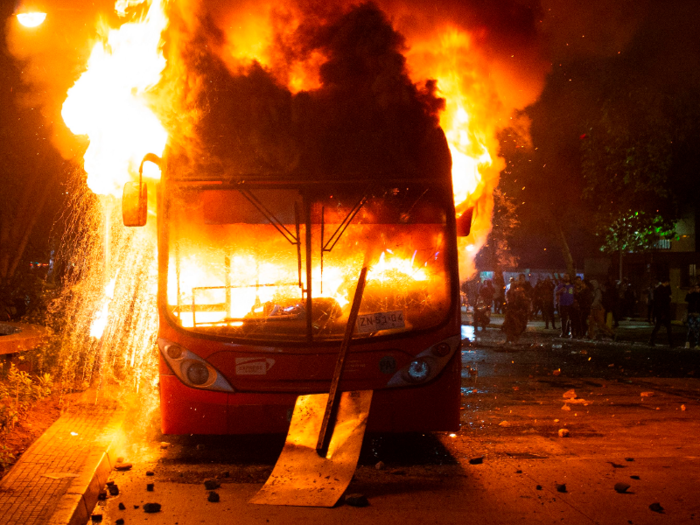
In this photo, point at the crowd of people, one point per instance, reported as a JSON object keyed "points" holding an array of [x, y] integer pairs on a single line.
{"points": [[586, 308]]}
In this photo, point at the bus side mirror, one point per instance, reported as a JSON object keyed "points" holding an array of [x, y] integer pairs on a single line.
{"points": [[464, 223], [135, 204]]}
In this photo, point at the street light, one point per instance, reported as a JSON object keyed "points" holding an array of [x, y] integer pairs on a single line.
{"points": [[31, 19], [31, 13]]}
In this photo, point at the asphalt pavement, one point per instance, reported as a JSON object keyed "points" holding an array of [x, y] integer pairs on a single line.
{"points": [[553, 431]]}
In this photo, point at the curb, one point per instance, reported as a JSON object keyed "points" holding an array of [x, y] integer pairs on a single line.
{"points": [[76, 505]]}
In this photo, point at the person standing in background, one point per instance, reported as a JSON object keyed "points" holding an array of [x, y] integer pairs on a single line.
{"points": [[692, 339], [662, 311], [500, 293], [547, 299], [565, 303], [596, 319], [517, 312], [486, 293]]}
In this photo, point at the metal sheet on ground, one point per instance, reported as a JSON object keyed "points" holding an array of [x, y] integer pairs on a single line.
{"points": [[301, 477]]}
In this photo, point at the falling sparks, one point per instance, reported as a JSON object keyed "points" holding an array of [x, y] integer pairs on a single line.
{"points": [[98, 325]]}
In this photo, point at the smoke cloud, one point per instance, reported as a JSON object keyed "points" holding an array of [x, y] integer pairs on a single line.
{"points": [[367, 116]]}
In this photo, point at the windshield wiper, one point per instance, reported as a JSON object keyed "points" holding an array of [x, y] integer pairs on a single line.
{"points": [[338, 233], [289, 236]]}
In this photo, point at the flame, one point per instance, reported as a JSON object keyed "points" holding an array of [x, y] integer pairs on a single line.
{"points": [[470, 134], [470, 121], [196, 278], [33, 19], [110, 101]]}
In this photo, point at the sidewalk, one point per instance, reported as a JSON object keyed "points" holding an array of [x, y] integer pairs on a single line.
{"points": [[58, 479], [632, 332]]}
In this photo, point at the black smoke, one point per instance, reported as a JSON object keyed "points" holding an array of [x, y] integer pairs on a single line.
{"points": [[366, 119]]}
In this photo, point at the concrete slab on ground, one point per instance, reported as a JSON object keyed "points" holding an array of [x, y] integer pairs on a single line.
{"points": [[18, 337]]}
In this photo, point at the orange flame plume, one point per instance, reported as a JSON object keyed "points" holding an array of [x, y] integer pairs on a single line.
{"points": [[110, 102]]}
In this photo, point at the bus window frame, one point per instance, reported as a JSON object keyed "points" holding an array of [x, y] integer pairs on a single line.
{"points": [[168, 186]]}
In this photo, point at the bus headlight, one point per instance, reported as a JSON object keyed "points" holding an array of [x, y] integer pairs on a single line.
{"points": [[418, 371], [174, 351], [197, 373], [191, 369]]}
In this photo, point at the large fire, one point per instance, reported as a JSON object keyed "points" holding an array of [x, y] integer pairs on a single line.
{"points": [[118, 103], [113, 103]]}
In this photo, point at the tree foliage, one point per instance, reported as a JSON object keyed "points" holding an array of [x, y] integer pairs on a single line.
{"points": [[633, 231], [497, 253], [632, 162], [615, 138]]}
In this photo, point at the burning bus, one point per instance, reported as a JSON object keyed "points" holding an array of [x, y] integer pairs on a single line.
{"points": [[289, 162], [256, 277]]}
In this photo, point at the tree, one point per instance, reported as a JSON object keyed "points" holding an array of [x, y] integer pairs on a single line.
{"points": [[497, 253], [31, 174], [620, 129], [543, 178], [640, 165]]}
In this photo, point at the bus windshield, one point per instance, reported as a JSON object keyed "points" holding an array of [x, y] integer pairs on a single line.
{"points": [[276, 264]]}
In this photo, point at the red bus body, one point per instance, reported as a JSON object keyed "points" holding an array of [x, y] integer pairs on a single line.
{"points": [[258, 380]]}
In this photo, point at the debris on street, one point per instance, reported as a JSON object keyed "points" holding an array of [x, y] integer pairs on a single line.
{"points": [[356, 500], [621, 487], [211, 484], [656, 507]]}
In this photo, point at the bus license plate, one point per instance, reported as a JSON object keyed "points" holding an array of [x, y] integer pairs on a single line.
{"points": [[380, 321]]}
